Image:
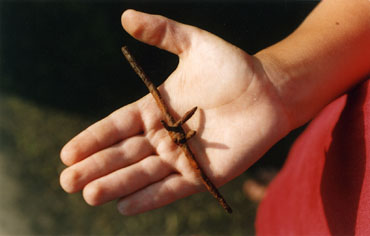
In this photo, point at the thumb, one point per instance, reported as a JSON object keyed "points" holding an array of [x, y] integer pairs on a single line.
{"points": [[158, 31]]}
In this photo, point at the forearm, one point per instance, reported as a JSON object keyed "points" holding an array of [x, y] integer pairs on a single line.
{"points": [[327, 55]]}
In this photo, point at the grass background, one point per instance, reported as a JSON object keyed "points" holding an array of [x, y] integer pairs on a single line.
{"points": [[61, 69]]}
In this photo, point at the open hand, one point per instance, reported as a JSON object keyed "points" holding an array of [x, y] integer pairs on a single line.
{"points": [[129, 155]]}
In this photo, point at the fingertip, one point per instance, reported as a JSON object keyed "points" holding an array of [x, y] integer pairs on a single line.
{"points": [[140, 25], [131, 207], [122, 207], [65, 154], [126, 16], [93, 194], [68, 181], [136, 23], [71, 153], [156, 30]]}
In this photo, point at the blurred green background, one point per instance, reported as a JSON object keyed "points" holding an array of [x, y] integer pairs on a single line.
{"points": [[61, 69]]}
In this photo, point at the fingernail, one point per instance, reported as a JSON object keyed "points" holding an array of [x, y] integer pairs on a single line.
{"points": [[122, 207]]}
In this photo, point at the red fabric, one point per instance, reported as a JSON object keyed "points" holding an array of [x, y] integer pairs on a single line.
{"points": [[324, 187]]}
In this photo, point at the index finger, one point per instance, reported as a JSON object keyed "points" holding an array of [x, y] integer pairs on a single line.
{"points": [[119, 125]]}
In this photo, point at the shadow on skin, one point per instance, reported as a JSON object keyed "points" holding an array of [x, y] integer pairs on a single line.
{"points": [[200, 145], [200, 130]]}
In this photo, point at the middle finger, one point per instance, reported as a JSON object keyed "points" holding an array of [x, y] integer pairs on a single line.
{"points": [[104, 162]]}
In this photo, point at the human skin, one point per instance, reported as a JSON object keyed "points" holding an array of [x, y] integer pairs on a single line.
{"points": [[246, 104]]}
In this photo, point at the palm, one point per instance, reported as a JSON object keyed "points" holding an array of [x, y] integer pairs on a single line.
{"points": [[238, 106], [129, 155]]}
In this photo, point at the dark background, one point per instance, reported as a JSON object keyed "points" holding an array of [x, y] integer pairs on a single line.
{"points": [[61, 69]]}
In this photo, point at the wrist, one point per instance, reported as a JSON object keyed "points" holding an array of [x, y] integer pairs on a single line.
{"points": [[322, 59], [293, 95]]}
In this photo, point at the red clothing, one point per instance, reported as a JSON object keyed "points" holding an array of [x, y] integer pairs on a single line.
{"points": [[324, 187]]}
